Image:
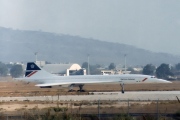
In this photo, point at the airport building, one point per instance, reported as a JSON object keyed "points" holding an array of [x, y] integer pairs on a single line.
{"points": [[113, 72], [62, 69]]}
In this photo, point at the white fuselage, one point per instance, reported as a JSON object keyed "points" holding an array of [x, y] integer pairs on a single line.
{"points": [[83, 79], [44, 79]]}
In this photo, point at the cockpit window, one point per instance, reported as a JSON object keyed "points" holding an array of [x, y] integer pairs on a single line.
{"points": [[153, 77]]}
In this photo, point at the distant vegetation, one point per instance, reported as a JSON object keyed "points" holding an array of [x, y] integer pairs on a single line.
{"points": [[21, 45], [149, 69], [164, 71], [3, 69], [16, 71]]}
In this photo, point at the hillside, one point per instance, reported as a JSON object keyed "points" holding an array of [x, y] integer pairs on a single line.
{"points": [[20, 45]]}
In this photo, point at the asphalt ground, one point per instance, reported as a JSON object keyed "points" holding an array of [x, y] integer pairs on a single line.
{"points": [[93, 96]]}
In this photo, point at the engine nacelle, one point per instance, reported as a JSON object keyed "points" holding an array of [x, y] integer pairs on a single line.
{"points": [[46, 87]]}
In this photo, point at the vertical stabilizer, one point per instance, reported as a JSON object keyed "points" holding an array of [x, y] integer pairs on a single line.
{"points": [[35, 72]]}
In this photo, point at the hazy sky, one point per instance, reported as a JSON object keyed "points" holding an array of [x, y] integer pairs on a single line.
{"points": [[150, 24]]}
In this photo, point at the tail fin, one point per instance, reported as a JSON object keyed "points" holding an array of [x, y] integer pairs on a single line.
{"points": [[35, 72]]}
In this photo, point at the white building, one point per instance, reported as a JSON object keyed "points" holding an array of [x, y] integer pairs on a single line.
{"points": [[64, 69]]}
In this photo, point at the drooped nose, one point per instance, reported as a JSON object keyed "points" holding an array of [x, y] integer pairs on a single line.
{"points": [[163, 81]]}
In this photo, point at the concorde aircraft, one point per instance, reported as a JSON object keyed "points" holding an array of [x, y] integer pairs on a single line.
{"points": [[44, 79]]}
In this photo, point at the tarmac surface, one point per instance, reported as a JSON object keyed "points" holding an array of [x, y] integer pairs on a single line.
{"points": [[135, 95]]}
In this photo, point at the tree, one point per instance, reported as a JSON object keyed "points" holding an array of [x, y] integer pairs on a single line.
{"points": [[85, 65], [16, 71], [177, 66], [3, 69], [94, 69], [112, 66], [149, 69], [164, 71]]}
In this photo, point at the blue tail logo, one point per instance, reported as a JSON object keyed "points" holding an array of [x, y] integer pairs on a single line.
{"points": [[32, 66], [31, 69]]}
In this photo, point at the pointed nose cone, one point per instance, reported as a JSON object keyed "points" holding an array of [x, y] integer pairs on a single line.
{"points": [[163, 81]]}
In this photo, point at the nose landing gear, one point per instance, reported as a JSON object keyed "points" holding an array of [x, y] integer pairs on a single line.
{"points": [[122, 86], [76, 85]]}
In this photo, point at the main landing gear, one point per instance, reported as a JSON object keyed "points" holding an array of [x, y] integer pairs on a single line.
{"points": [[76, 85], [71, 88], [81, 88], [122, 86]]}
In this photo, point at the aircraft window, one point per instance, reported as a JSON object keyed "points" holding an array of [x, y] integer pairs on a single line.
{"points": [[153, 77]]}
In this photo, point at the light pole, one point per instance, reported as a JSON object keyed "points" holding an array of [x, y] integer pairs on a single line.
{"points": [[125, 63], [88, 64], [36, 55]]}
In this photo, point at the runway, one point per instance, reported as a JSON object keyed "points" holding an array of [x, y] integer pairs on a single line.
{"points": [[135, 95]]}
